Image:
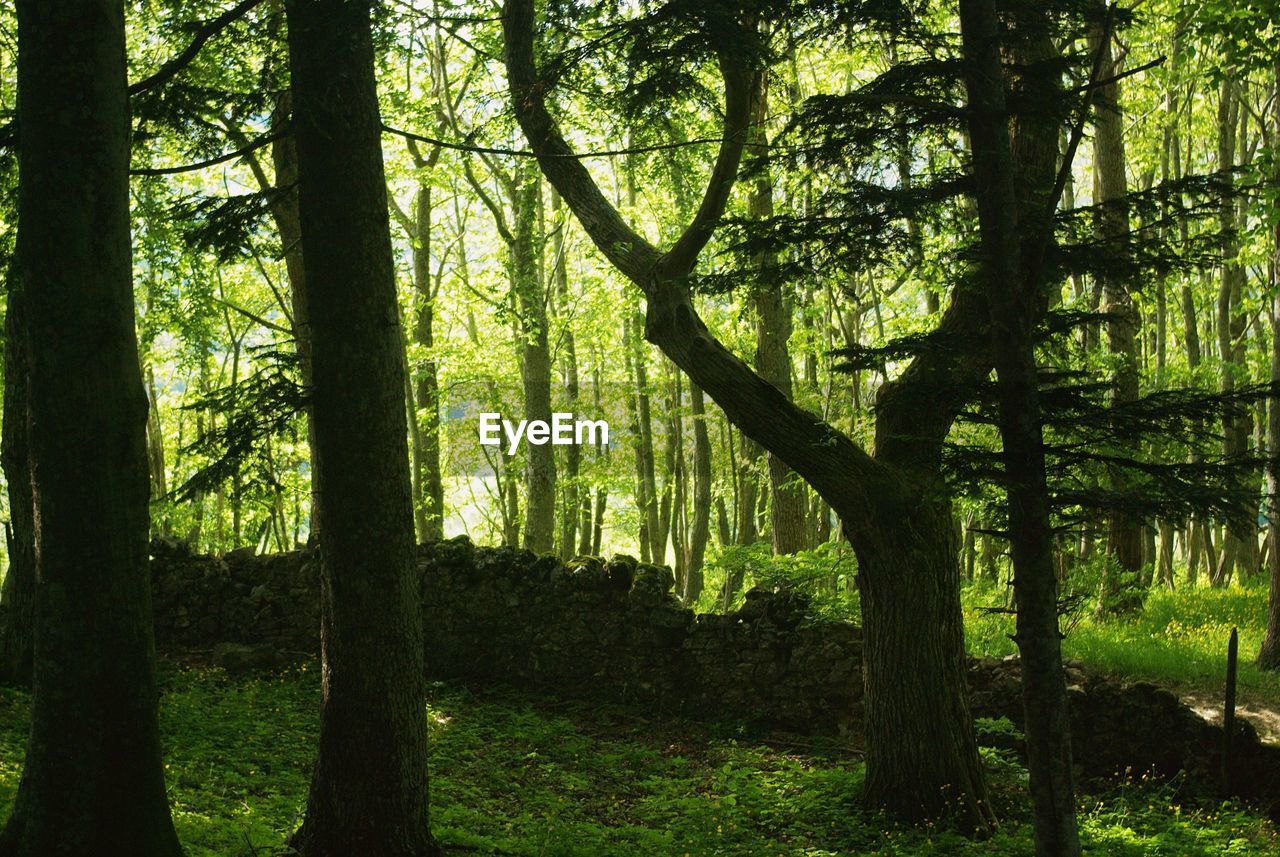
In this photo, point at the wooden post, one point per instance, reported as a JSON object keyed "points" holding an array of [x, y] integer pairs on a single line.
{"points": [[1229, 710]]}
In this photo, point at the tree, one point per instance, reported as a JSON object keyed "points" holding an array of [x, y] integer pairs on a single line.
{"points": [[93, 781], [1124, 537], [921, 756], [1013, 243], [1269, 654], [369, 792]]}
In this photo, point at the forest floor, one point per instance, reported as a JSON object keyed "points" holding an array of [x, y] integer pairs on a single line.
{"points": [[528, 775]]}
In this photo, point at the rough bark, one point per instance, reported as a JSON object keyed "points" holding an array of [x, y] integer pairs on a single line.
{"points": [[369, 789], [93, 779]]}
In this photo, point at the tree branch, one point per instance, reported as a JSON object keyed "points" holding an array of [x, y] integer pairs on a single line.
{"points": [[212, 162], [207, 31]]}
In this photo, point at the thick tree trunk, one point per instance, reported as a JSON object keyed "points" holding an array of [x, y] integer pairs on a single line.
{"points": [[913, 662], [369, 790], [93, 779], [922, 759]]}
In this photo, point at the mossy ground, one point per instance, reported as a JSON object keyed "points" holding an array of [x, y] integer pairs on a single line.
{"points": [[517, 774]]}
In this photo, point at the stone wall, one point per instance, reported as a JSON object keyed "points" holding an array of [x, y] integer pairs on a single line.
{"points": [[612, 630], [591, 629]]}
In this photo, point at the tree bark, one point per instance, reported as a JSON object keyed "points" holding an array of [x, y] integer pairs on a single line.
{"points": [[700, 531], [429, 507], [369, 791], [1011, 271], [535, 359], [284, 211], [773, 332], [17, 633], [1124, 537], [1269, 654], [93, 779]]}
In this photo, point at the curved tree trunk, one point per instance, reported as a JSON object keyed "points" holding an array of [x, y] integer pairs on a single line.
{"points": [[369, 789], [922, 758], [93, 779]]}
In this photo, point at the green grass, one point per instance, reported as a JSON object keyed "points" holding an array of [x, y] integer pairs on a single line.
{"points": [[515, 774], [1179, 638]]}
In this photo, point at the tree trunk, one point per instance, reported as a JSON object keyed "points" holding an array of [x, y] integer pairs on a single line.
{"points": [[17, 633], [284, 211], [93, 779], [1010, 264], [429, 511], [922, 759], [1124, 537], [773, 357], [571, 489], [535, 360], [369, 789], [1231, 321], [913, 662], [644, 422], [1269, 654], [701, 529]]}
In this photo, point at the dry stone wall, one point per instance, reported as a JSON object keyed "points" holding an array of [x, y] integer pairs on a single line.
{"points": [[612, 630], [590, 629]]}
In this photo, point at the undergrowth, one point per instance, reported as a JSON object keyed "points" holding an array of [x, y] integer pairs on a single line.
{"points": [[516, 774]]}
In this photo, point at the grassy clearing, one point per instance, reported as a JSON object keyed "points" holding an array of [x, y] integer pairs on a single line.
{"points": [[514, 774], [1179, 639]]}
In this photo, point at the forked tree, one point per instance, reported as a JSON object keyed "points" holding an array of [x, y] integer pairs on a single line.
{"points": [[922, 759]]}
